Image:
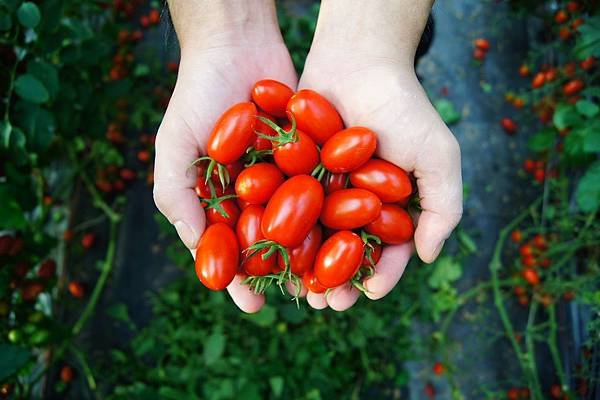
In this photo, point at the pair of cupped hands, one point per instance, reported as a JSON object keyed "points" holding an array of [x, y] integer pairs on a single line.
{"points": [[376, 92]]}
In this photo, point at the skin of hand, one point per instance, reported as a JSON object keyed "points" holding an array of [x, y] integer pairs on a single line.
{"points": [[226, 46], [361, 60]]}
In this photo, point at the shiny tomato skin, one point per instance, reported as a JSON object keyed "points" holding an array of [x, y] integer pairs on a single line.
{"points": [[232, 210], [297, 158], [262, 143], [393, 226], [203, 189], [338, 259], [309, 280], [257, 183], [348, 149], [315, 115], [248, 232], [272, 96], [293, 210], [217, 256], [233, 169], [389, 182], [335, 182], [233, 133], [350, 209], [303, 256]]}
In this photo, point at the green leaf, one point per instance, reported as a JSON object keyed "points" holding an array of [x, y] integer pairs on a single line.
{"points": [[447, 111], [591, 141], [39, 125], [587, 192], [30, 88], [13, 358], [5, 130], [11, 213], [265, 317], [214, 348], [293, 314], [29, 14], [17, 146], [588, 43], [565, 116], [5, 22], [119, 312], [47, 74], [445, 271], [543, 140], [276, 383], [466, 241], [587, 108], [573, 144]]}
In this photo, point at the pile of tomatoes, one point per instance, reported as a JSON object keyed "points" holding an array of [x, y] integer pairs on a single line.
{"points": [[292, 195]]}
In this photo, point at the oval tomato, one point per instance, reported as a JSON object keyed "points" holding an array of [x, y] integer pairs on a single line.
{"points": [[303, 256], [233, 133], [309, 280], [233, 213], [272, 96], [315, 115], [248, 232], [257, 183], [293, 210], [217, 256], [375, 255], [335, 182], [389, 182], [233, 170], [350, 209], [393, 226], [261, 143], [203, 189], [339, 259], [297, 158], [348, 149]]}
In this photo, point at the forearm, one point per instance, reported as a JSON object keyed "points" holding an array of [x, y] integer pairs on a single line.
{"points": [[204, 24], [379, 28]]}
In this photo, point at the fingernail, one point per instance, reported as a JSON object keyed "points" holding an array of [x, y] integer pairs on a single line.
{"points": [[188, 236], [438, 250]]}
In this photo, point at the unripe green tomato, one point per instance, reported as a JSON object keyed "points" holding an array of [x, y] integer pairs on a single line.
{"points": [[40, 337], [282, 327], [14, 336]]}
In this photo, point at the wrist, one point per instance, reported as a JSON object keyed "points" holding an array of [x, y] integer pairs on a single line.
{"points": [[202, 25]]}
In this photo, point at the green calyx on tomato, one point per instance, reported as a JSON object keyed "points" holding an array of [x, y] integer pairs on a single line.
{"points": [[221, 170], [283, 137], [215, 202], [319, 172], [252, 156]]}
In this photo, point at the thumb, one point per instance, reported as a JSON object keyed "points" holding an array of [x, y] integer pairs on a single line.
{"points": [[174, 180]]}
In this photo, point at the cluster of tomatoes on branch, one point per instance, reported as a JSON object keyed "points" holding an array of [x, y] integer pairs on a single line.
{"points": [[292, 195]]}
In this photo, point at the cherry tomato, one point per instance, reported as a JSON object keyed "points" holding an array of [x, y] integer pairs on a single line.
{"points": [[233, 213], [272, 96], [389, 182], [524, 70], [573, 87], [31, 290], [338, 259], [261, 143], [394, 225], [538, 80], [233, 133], [303, 256], [315, 115], [479, 54], [309, 280], [348, 149], [531, 276], [257, 183], [76, 289], [297, 158], [335, 182], [509, 125], [66, 374], [47, 269], [248, 232], [350, 209], [233, 169], [561, 17], [203, 189], [217, 256], [293, 210], [482, 44], [375, 255]]}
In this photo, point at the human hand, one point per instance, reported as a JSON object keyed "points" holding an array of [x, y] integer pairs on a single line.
{"points": [[219, 65], [373, 84]]}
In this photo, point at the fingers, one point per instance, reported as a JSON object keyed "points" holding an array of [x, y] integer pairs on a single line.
{"points": [[244, 297], [342, 297], [439, 181], [316, 300], [174, 180], [388, 270], [293, 290]]}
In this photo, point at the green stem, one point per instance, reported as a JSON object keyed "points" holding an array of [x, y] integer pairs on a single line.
{"points": [[530, 346], [552, 345], [87, 371]]}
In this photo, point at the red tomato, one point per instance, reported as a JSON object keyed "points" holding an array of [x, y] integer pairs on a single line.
{"points": [[531, 276], [524, 70], [573, 87], [76, 289], [47, 269], [233, 169], [339, 259], [272, 96], [538, 80], [297, 158], [261, 143], [31, 290], [315, 115], [293, 210], [479, 54], [217, 256], [348, 149], [482, 44], [303, 256], [311, 283], [438, 368], [516, 236], [389, 182], [248, 232], [350, 209], [561, 17], [233, 133], [233, 213], [203, 189], [375, 255], [257, 183], [66, 374], [509, 125], [335, 182], [394, 225]]}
